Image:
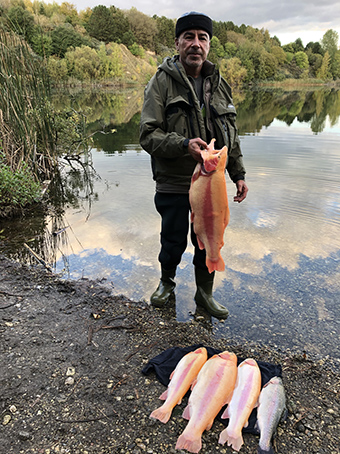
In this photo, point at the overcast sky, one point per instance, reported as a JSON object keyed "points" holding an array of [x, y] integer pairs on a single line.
{"points": [[288, 19]]}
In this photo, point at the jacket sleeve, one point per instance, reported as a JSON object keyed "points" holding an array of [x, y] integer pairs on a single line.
{"points": [[154, 137], [235, 166]]}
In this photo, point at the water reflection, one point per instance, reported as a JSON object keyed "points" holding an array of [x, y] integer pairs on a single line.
{"points": [[282, 246]]}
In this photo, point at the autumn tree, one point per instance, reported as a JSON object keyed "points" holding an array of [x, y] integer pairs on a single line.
{"points": [[143, 27], [329, 42], [70, 12], [336, 65], [301, 61], [111, 61], [233, 71], [324, 71], [83, 63], [279, 54]]}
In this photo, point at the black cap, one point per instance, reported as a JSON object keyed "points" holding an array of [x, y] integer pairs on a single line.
{"points": [[194, 21]]}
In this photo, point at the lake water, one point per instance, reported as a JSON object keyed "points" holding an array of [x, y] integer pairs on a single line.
{"points": [[282, 245]]}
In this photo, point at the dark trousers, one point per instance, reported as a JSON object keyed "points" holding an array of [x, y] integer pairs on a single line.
{"points": [[175, 210]]}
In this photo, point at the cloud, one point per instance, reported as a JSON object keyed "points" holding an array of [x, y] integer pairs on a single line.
{"points": [[288, 20]]}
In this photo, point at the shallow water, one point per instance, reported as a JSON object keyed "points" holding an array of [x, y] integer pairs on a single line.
{"points": [[282, 246]]}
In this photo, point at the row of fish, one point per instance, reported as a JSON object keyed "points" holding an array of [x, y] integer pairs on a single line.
{"points": [[216, 382]]}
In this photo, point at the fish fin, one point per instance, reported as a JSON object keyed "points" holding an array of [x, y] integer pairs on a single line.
{"points": [[225, 414], [197, 172], [162, 414], [189, 442], [234, 441], [211, 145], [284, 415], [186, 413], [209, 426], [193, 384], [217, 265], [164, 395], [226, 218], [200, 244], [264, 451]]}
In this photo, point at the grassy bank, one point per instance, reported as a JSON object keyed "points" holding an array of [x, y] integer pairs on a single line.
{"points": [[33, 135], [297, 84]]}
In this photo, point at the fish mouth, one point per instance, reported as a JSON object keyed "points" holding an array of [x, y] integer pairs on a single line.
{"points": [[205, 171]]}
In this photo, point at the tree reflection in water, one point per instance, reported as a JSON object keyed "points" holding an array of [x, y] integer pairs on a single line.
{"points": [[113, 123]]}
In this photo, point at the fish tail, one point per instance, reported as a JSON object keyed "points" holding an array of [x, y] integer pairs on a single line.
{"points": [[162, 414], [190, 442], [234, 440], [216, 265], [265, 451]]}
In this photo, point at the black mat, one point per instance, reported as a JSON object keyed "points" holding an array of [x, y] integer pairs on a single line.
{"points": [[164, 363]]}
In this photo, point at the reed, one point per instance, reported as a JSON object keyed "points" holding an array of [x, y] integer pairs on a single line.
{"points": [[27, 130]]}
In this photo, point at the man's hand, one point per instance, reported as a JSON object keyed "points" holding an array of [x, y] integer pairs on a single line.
{"points": [[194, 148], [242, 190]]}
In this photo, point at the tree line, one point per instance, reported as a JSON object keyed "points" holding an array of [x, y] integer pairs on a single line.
{"points": [[85, 45]]}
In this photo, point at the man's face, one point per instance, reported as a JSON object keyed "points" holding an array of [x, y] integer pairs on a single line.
{"points": [[193, 47]]}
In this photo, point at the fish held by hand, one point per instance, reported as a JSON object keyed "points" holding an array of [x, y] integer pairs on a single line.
{"points": [[209, 204]]}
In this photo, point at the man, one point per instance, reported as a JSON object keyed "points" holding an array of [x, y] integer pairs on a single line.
{"points": [[186, 104]]}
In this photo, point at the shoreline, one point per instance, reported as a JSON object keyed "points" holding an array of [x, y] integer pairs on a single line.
{"points": [[73, 383]]}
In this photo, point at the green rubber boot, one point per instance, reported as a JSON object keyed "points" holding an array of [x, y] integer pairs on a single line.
{"points": [[165, 288], [203, 296]]}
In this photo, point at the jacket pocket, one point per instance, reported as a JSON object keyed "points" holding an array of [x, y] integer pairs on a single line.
{"points": [[225, 117], [177, 116]]}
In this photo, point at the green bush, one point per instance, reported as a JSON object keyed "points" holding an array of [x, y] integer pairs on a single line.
{"points": [[137, 50], [17, 188]]}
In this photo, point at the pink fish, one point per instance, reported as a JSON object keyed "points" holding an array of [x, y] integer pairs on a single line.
{"points": [[213, 389], [209, 204], [180, 381], [245, 398]]}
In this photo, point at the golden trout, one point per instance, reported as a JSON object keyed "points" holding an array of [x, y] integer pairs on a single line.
{"points": [[209, 204], [213, 389], [245, 398], [180, 381]]}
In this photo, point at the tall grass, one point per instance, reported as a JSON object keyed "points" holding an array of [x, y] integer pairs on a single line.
{"points": [[27, 130]]}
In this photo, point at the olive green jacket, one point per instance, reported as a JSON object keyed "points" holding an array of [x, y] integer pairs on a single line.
{"points": [[171, 113]]}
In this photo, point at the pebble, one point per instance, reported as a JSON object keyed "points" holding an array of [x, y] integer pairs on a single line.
{"points": [[69, 381], [23, 435], [70, 371], [6, 419]]}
